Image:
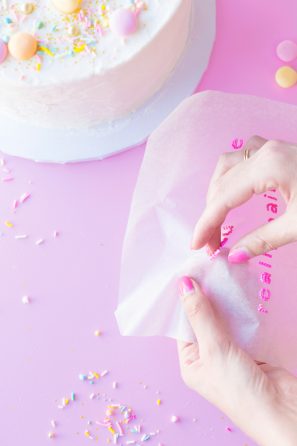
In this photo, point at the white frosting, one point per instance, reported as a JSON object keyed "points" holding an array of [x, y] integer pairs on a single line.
{"points": [[110, 78]]}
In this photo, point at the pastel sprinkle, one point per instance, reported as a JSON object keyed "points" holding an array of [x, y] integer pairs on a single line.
{"points": [[7, 179], [15, 204], [159, 402], [39, 242], [53, 423], [73, 396], [21, 236], [8, 223], [46, 50], [174, 419], [97, 333], [24, 197], [229, 429], [26, 300], [51, 435]]}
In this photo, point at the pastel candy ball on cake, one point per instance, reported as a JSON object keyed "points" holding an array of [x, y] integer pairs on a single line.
{"points": [[22, 46], [67, 6], [124, 22], [3, 51]]}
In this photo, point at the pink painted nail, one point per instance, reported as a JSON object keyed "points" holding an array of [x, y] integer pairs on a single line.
{"points": [[186, 286], [239, 255]]}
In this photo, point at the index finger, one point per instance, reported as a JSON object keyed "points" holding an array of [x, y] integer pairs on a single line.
{"points": [[231, 190]]}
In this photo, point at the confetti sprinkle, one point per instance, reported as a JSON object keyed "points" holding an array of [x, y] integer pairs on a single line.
{"points": [[8, 224], [24, 197], [174, 419], [21, 236], [26, 300]]}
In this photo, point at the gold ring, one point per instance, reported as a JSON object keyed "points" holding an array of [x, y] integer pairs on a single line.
{"points": [[246, 154]]}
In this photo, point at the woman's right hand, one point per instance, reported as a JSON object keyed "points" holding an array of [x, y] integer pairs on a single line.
{"points": [[259, 398], [271, 165]]}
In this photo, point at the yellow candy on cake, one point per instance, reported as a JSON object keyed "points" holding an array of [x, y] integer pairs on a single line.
{"points": [[67, 6]]}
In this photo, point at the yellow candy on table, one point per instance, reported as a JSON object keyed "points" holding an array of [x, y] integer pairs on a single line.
{"points": [[67, 6], [286, 76], [22, 46]]}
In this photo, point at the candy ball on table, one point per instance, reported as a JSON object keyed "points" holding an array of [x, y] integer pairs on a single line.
{"points": [[124, 22], [286, 77], [286, 50], [3, 51], [22, 46], [67, 6]]}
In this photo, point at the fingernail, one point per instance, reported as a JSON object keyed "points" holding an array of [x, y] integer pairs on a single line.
{"points": [[239, 255], [185, 286]]}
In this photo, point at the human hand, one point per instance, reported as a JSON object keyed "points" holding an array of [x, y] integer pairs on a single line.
{"points": [[260, 399], [271, 165]]}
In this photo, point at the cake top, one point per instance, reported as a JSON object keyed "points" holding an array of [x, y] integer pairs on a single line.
{"points": [[53, 41]]}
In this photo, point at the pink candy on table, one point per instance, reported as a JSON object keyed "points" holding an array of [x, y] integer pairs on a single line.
{"points": [[3, 51], [287, 50], [123, 22]]}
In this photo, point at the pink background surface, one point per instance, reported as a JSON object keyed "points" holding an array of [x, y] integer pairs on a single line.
{"points": [[73, 280]]}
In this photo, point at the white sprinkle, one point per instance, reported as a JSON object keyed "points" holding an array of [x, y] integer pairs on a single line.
{"points": [[105, 372], [21, 236], [26, 300], [56, 234], [53, 423], [114, 385], [2, 161], [92, 396], [39, 241], [51, 435], [174, 419]]}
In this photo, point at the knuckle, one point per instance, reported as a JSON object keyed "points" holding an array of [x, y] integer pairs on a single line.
{"points": [[193, 306], [224, 159]]}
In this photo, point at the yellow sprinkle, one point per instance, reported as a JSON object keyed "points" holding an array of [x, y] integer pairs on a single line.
{"points": [[111, 430], [8, 224], [96, 375], [46, 50], [159, 402], [79, 49], [66, 401], [87, 434], [38, 66], [97, 333]]}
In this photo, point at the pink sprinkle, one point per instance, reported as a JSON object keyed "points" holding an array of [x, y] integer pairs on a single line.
{"points": [[229, 429], [24, 197], [262, 309], [7, 178], [56, 234], [15, 204]]}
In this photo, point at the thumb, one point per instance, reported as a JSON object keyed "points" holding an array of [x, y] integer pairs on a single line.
{"points": [[268, 237], [200, 314]]}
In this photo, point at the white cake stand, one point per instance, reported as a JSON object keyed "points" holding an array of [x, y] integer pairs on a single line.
{"points": [[62, 146]]}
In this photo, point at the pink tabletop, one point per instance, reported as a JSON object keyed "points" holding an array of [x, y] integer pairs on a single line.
{"points": [[71, 278]]}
